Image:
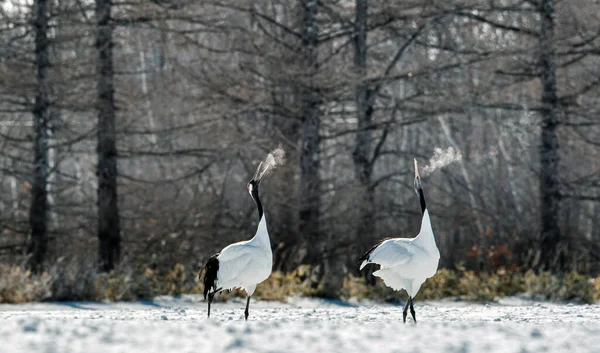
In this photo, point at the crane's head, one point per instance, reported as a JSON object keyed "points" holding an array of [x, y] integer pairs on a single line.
{"points": [[253, 186], [417, 178]]}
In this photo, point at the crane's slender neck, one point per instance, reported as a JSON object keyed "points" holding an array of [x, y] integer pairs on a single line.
{"points": [[425, 236], [422, 200], [259, 206]]}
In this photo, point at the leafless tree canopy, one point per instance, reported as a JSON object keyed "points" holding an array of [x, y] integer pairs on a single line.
{"points": [[128, 129]]}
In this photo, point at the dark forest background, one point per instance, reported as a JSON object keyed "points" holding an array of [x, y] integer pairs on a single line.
{"points": [[129, 129]]}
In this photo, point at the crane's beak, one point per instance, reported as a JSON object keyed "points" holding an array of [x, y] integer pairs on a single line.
{"points": [[257, 175], [417, 176]]}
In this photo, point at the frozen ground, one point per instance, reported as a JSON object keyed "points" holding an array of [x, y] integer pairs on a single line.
{"points": [[302, 325]]}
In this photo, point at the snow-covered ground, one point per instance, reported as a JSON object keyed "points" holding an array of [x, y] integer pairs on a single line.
{"points": [[301, 325]]}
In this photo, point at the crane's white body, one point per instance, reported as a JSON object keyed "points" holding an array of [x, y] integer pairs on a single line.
{"points": [[247, 263], [407, 262]]}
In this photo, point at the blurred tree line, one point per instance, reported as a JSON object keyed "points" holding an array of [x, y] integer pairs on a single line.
{"points": [[129, 130]]}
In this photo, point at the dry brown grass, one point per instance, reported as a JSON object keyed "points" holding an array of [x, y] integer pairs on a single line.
{"points": [[72, 282]]}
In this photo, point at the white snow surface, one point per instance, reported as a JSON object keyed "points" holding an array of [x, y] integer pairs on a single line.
{"points": [[300, 325]]}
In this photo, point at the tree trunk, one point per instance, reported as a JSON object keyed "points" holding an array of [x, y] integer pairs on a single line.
{"points": [[310, 139], [108, 213], [551, 256], [362, 154], [363, 149], [38, 214], [594, 250]]}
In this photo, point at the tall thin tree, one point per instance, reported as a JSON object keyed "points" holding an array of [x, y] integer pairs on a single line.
{"points": [[549, 149], [310, 138], [38, 213], [109, 228], [361, 155]]}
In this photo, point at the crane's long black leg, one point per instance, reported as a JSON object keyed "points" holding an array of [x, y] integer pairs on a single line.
{"points": [[412, 309], [247, 305], [211, 296], [210, 299], [405, 311]]}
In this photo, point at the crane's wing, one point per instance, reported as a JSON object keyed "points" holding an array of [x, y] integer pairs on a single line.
{"points": [[389, 253], [233, 262], [234, 250]]}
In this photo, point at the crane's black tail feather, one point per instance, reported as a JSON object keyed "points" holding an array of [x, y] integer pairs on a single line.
{"points": [[210, 274]]}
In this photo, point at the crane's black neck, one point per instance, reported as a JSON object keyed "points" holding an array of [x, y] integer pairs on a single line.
{"points": [[422, 199], [256, 199]]}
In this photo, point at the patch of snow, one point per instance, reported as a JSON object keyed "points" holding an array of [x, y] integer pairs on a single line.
{"points": [[300, 325]]}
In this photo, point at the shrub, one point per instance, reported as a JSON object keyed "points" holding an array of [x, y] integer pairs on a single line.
{"points": [[357, 287], [76, 280], [473, 286], [445, 283], [18, 285]]}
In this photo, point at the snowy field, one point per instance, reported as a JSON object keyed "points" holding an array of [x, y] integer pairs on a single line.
{"points": [[301, 325]]}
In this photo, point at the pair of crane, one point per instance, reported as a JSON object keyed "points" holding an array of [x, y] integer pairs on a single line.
{"points": [[405, 263]]}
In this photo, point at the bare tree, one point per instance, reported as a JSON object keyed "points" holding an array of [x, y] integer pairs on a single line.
{"points": [[551, 254], [362, 154], [310, 186], [109, 227], [185, 95], [38, 214]]}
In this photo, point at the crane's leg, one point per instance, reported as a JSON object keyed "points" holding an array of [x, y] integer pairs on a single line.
{"points": [[405, 311], [210, 299], [246, 311], [412, 309]]}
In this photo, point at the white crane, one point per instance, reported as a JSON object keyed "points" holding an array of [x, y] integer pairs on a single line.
{"points": [[244, 264], [407, 262]]}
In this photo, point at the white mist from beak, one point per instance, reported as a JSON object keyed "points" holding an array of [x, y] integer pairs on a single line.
{"points": [[273, 159], [442, 158]]}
